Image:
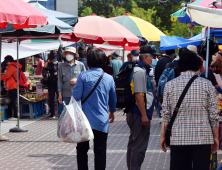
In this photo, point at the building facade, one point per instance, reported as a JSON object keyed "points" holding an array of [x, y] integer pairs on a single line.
{"points": [[66, 6]]}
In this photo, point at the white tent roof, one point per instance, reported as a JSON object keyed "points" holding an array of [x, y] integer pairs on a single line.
{"points": [[28, 48], [209, 17]]}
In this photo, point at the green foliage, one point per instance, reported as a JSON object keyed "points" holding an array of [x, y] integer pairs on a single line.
{"points": [[183, 30], [152, 11], [86, 12]]}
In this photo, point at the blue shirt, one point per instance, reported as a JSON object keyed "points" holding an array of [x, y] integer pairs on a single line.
{"points": [[116, 65], [84, 61], [96, 107], [125, 64]]}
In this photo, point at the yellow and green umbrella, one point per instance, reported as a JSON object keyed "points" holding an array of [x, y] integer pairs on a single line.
{"points": [[139, 27]]}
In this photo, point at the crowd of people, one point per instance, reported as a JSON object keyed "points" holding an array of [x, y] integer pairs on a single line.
{"points": [[194, 133]]}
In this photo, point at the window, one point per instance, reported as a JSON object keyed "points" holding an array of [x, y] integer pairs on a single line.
{"points": [[50, 4]]}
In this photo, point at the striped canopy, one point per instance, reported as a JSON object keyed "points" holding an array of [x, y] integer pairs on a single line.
{"points": [[139, 27]]}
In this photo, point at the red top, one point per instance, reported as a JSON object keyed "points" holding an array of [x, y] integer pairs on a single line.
{"points": [[39, 67]]}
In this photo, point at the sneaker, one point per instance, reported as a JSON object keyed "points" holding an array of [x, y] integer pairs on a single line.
{"points": [[160, 120], [3, 138]]}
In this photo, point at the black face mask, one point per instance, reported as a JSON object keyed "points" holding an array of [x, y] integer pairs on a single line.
{"points": [[217, 71]]}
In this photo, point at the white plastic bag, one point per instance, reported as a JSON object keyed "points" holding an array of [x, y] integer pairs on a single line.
{"points": [[75, 127]]}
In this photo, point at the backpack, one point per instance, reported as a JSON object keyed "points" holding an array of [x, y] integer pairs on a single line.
{"points": [[167, 75], [125, 98], [23, 84]]}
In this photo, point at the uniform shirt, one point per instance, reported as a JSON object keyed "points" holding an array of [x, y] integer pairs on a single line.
{"points": [[96, 106], [116, 65], [198, 113], [66, 73]]}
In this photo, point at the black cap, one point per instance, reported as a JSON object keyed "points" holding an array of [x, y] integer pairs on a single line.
{"points": [[148, 49]]}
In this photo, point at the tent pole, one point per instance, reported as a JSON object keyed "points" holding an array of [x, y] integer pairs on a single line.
{"points": [[18, 129], [76, 45], [2, 138], [207, 58], [124, 59]]}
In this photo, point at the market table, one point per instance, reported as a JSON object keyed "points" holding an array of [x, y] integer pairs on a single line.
{"points": [[34, 109]]}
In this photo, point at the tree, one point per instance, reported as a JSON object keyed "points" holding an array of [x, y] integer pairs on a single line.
{"points": [[86, 12]]}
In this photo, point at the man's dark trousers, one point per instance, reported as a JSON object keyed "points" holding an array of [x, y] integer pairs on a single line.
{"points": [[100, 141]]}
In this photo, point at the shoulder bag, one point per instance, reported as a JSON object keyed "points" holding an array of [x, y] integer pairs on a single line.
{"points": [[176, 109]]}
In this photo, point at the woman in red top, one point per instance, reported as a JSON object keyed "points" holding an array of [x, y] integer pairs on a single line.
{"points": [[11, 79]]}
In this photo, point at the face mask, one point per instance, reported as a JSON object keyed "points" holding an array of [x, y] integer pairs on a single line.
{"points": [[135, 58], [69, 57], [154, 63]]}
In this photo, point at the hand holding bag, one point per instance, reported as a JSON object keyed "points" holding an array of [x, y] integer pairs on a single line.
{"points": [[176, 109]]}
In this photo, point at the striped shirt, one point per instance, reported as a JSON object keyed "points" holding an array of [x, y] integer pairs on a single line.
{"points": [[198, 113]]}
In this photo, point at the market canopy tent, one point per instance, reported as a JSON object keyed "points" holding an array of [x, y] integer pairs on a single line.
{"points": [[21, 15], [29, 47], [95, 29], [205, 16], [183, 17], [139, 27], [66, 18], [173, 42]]}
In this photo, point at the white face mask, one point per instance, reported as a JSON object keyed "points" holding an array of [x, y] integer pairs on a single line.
{"points": [[69, 57], [136, 58]]}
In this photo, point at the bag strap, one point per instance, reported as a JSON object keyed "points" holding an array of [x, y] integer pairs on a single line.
{"points": [[12, 75], [176, 109], [93, 88]]}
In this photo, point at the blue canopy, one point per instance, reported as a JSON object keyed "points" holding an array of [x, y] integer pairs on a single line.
{"points": [[186, 20], [197, 37], [173, 42]]}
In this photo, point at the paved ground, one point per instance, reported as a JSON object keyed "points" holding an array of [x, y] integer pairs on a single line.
{"points": [[40, 149]]}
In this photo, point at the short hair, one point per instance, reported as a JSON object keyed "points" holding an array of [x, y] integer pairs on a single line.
{"points": [[142, 56], [189, 61], [89, 49], [9, 58], [107, 61], [96, 58], [170, 52], [216, 63], [129, 55], [181, 51], [39, 55], [82, 54]]}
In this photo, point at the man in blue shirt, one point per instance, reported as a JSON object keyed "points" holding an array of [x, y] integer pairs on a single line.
{"points": [[115, 63], [140, 114], [96, 108], [135, 57]]}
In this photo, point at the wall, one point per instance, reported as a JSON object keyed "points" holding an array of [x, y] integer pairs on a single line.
{"points": [[67, 6]]}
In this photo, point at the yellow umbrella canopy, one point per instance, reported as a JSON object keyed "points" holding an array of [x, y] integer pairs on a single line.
{"points": [[139, 27]]}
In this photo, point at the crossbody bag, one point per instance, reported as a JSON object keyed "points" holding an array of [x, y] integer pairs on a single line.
{"points": [[176, 109]]}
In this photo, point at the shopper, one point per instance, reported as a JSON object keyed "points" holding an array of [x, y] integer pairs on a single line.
{"points": [[11, 80], [195, 129], [40, 64], [129, 57], [82, 58], [68, 73], [140, 114], [115, 63], [106, 68], [160, 67], [215, 67], [96, 108], [135, 57], [52, 68]]}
